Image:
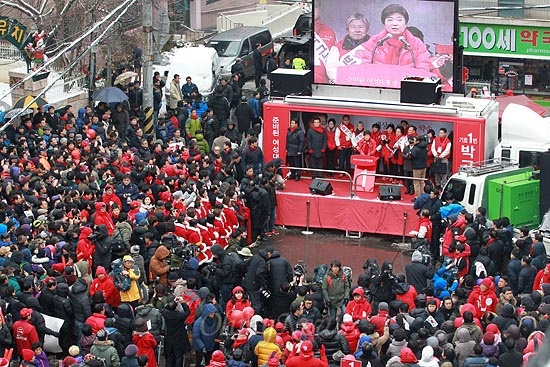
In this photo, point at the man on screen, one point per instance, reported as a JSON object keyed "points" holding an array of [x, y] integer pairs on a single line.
{"points": [[324, 39], [343, 53], [396, 45]]}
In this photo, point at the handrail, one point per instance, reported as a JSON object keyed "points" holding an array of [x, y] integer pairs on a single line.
{"points": [[354, 193], [326, 171]]}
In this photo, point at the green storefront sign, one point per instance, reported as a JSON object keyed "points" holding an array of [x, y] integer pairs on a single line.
{"points": [[505, 40]]}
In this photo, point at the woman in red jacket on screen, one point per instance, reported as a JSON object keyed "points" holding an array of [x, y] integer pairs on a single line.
{"points": [[395, 44]]}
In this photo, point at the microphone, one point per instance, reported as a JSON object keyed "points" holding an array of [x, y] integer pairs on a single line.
{"points": [[404, 41], [385, 38], [408, 48]]}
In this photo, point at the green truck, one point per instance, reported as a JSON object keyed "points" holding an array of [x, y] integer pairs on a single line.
{"points": [[502, 188]]}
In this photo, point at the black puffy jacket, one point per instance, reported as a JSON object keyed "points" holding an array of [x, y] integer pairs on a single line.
{"points": [[333, 342], [80, 300], [125, 323], [279, 271]]}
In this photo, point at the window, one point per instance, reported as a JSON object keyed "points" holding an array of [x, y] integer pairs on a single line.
{"points": [[455, 187], [472, 194], [225, 48], [527, 159]]}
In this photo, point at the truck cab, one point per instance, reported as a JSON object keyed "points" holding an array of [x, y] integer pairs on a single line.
{"points": [[501, 187], [524, 136]]}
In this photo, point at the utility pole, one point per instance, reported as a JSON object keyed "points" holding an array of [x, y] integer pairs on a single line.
{"points": [[148, 124], [109, 66]]}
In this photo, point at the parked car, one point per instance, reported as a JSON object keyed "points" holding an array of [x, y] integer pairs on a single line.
{"points": [[303, 25], [241, 42]]}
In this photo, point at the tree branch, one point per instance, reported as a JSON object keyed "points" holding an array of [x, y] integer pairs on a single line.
{"points": [[18, 7], [31, 8]]}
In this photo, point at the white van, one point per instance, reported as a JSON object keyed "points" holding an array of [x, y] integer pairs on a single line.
{"points": [[201, 63]]}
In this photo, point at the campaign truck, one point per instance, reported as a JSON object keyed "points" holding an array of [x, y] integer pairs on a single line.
{"points": [[500, 186]]}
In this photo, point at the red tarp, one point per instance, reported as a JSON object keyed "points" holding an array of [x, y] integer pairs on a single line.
{"points": [[521, 100]]}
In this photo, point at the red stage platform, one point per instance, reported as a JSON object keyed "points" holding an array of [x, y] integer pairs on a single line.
{"points": [[363, 213]]}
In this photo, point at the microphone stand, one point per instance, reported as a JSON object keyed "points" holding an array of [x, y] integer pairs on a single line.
{"points": [[408, 48]]}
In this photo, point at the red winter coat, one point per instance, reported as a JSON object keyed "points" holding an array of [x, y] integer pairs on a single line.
{"points": [[393, 52], [379, 321], [351, 333], [541, 278], [103, 218], [96, 321], [483, 301], [146, 344], [331, 138], [85, 248], [359, 309], [111, 199], [25, 335], [408, 297], [107, 286]]}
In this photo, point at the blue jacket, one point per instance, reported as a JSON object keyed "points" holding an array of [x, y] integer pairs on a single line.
{"points": [[205, 329], [254, 104]]}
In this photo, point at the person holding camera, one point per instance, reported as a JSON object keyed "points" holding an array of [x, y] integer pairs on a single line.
{"points": [[176, 340], [384, 284]]}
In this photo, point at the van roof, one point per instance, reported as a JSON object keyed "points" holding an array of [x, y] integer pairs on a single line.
{"points": [[239, 32]]}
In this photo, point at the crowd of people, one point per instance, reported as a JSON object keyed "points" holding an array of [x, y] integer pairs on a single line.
{"points": [[142, 250]]}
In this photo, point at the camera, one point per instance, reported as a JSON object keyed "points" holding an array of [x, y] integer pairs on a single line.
{"points": [[299, 270]]}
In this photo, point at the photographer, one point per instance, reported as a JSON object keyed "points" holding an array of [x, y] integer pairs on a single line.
{"points": [[384, 284], [158, 266]]}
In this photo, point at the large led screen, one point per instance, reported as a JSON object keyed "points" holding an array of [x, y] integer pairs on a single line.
{"points": [[378, 43]]}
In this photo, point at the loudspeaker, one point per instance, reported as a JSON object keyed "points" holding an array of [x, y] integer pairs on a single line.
{"points": [[320, 187], [290, 81], [544, 162], [420, 90], [390, 192]]}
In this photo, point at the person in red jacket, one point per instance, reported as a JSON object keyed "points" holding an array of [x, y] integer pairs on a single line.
{"points": [[543, 277], [85, 248], [305, 358], [145, 341], [238, 302], [24, 332], [97, 320], [103, 282], [110, 198], [483, 298], [345, 132], [367, 145], [379, 321], [330, 156], [349, 329], [359, 308], [102, 216]]}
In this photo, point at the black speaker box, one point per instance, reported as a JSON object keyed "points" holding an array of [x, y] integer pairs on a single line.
{"points": [[544, 183], [390, 192], [289, 81], [320, 187], [421, 90]]}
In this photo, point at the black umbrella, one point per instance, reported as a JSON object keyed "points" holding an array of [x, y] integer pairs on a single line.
{"points": [[109, 95]]}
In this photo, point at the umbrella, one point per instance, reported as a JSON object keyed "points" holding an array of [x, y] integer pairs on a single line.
{"points": [[109, 95], [27, 102], [124, 77], [17, 111]]}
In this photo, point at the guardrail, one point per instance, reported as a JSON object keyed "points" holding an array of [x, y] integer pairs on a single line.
{"points": [[350, 180]]}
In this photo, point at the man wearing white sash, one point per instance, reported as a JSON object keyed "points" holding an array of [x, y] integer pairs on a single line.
{"points": [[344, 137]]}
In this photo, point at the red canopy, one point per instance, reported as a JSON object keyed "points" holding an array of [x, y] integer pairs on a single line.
{"points": [[521, 100]]}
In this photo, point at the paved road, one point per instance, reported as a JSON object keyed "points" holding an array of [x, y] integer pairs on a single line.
{"points": [[324, 246]]}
